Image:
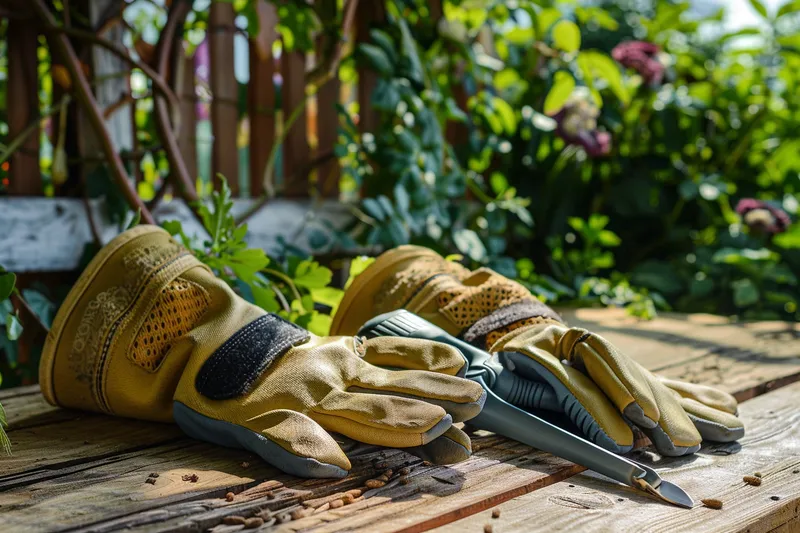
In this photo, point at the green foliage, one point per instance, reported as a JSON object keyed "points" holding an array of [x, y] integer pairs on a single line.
{"points": [[298, 289], [466, 158]]}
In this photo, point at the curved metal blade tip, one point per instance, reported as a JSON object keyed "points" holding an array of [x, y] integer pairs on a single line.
{"points": [[671, 493]]}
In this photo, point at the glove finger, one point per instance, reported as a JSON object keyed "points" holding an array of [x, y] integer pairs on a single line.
{"points": [[461, 398], [414, 354], [675, 434], [452, 447], [381, 419], [288, 440], [704, 394], [620, 378], [581, 401], [713, 424]]}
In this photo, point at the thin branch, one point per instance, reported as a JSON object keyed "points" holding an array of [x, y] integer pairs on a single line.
{"points": [[90, 216], [264, 200], [183, 182], [20, 139], [124, 100], [330, 65], [85, 97], [158, 81], [22, 303]]}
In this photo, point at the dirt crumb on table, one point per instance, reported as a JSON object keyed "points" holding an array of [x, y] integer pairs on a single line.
{"points": [[752, 480], [496, 513], [712, 503]]}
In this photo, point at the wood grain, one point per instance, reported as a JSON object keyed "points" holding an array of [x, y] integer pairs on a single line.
{"points": [[587, 502]]}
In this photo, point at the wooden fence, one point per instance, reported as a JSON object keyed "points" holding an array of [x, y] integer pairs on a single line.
{"points": [[308, 167]]}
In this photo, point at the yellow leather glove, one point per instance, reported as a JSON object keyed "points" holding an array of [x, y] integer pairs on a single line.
{"points": [[149, 332], [569, 372]]}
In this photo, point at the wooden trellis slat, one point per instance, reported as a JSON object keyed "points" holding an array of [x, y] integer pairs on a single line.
{"points": [[23, 111], [295, 144], [261, 99], [328, 173], [370, 14], [224, 112]]}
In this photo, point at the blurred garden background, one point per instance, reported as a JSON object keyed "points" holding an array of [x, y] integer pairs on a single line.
{"points": [[634, 153]]}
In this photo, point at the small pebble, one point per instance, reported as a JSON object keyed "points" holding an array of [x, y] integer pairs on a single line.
{"points": [[355, 493], [381, 466], [229, 496], [757, 474], [388, 473], [487, 528], [375, 483], [252, 523], [234, 520], [752, 480], [712, 503], [192, 478], [795, 471], [283, 518], [335, 504], [496, 513], [383, 477], [404, 471], [427, 463], [404, 480], [153, 475], [264, 514], [774, 498], [245, 464], [348, 499], [150, 480], [270, 495]]}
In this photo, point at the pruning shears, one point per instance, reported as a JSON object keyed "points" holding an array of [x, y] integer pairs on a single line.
{"points": [[502, 418]]}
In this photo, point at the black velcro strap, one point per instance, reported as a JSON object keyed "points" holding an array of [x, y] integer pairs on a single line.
{"points": [[505, 316], [236, 364]]}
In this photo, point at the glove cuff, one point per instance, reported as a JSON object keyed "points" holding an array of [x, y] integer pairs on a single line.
{"points": [[490, 328]]}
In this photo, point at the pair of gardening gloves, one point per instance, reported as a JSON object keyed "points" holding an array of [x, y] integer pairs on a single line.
{"points": [[149, 332]]}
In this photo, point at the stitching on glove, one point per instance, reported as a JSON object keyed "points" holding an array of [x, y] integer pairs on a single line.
{"points": [[506, 316], [235, 365]]}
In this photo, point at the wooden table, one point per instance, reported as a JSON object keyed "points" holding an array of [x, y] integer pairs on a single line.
{"points": [[79, 471]]}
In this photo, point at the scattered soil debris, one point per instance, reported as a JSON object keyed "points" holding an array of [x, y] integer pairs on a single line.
{"points": [[355, 493], [774, 498], [404, 471], [404, 480], [487, 528], [496, 513], [335, 504], [234, 520], [270, 495], [245, 464], [752, 480], [192, 478], [427, 463], [712, 503], [229, 497], [154, 474], [375, 483], [758, 474], [150, 480]]}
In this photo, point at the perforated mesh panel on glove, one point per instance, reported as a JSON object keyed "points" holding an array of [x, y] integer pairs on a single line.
{"points": [[148, 332], [568, 371]]}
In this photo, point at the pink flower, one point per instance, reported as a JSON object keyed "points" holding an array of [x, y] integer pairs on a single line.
{"points": [[642, 57], [763, 217], [576, 123]]}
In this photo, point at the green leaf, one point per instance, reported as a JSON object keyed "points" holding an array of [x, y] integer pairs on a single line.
{"points": [[759, 7], [376, 58], [563, 85], [317, 323], [357, 266], [608, 238], [327, 296], [788, 8], [790, 239], [745, 293], [596, 64], [265, 298], [7, 282], [13, 327], [312, 275], [507, 116], [373, 209], [545, 19], [245, 263], [735, 256], [469, 244], [567, 36]]}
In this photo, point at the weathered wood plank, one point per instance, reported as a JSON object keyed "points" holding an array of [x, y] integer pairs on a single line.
{"points": [[47, 234], [187, 137], [743, 358], [295, 141], [589, 503], [368, 16], [329, 173]]}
